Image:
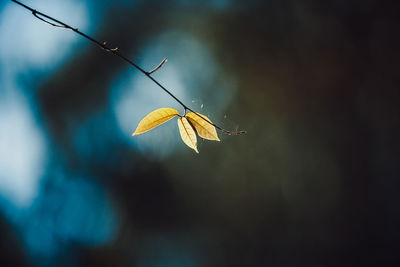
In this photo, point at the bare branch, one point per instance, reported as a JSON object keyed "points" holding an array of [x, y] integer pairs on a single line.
{"points": [[56, 23]]}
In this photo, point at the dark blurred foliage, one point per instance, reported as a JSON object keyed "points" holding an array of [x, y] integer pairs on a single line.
{"points": [[313, 183]]}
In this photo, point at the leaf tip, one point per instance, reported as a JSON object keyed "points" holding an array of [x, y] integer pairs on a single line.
{"points": [[135, 133]]}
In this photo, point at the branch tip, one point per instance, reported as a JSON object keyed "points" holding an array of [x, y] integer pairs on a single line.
{"points": [[159, 66]]}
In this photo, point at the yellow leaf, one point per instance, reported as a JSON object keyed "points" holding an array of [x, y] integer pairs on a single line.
{"points": [[187, 133], [155, 118], [202, 127]]}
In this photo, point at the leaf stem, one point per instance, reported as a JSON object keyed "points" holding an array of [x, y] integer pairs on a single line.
{"points": [[57, 23]]}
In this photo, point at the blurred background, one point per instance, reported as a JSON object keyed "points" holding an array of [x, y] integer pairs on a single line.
{"points": [[314, 182]]}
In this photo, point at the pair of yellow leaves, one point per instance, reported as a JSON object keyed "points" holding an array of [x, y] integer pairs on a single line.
{"points": [[189, 125]]}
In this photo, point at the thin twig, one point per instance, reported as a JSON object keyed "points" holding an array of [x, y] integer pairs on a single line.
{"points": [[34, 12], [56, 23], [159, 66]]}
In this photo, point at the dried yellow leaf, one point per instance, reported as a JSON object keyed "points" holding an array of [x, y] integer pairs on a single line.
{"points": [[155, 118], [188, 135], [202, 127]]}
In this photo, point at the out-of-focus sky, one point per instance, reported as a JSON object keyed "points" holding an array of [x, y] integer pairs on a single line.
{"points": [[313, 183]]}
